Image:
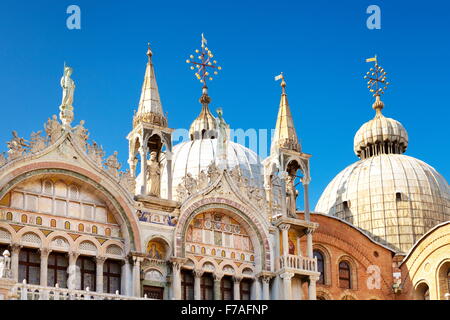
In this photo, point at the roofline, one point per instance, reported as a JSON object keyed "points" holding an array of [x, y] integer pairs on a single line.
{"points": [[358, 229], [422, 238]]}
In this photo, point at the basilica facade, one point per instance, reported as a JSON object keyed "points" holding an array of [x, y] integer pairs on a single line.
{"points": [[208, 219]]}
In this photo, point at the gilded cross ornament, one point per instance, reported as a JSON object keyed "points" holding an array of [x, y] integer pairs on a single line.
{"points": [[376, 77], [203, 64]]}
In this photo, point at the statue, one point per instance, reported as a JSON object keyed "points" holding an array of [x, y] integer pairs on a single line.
{"points": [[202, 180], [37, 142], [5, 265], [182, 193], [66, 107], [153, 175], [113, 165], [127, 181], [221, 140], [53, 129], [190, 184], [16, 146], [213, 172], [81, 133], [291, 197], [96, 153]]}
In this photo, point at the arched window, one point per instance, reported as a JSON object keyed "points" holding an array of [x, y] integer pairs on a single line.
{"points": [[187, 285], [320, 266], [67, 225], [207, 287], [94, 229], [9, 216], [226, 288], [53, 223], [39, 221], [24, 218], [344, 275]]}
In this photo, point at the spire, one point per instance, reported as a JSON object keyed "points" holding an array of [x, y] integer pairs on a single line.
{"points": [[376, 84], [204, 126], [285, 135], [150, 108]]}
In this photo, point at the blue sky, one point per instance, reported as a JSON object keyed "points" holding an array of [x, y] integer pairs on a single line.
{"points": [[319, 45]]}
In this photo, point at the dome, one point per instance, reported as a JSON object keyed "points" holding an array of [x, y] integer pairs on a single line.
{"points": [[380, 135], [196, 155], [394, 197]]}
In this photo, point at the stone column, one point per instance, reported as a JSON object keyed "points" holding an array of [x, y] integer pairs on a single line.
{"points": [[305, 183], [285, 238], [100, 261], [287, 285], [266, 287], [137, 276], [257, 289], [312, 287], [15, 249], [143, 154], [44, 266], [169, 173], [217, 282], [197, 284], [309, 243], [72, 271], [124, 286], [237, 288], [176, 280]]}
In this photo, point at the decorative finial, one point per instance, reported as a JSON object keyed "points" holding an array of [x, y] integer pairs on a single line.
{"points": [[203, 62], [376, 83], [283, 83], [149, 51]]}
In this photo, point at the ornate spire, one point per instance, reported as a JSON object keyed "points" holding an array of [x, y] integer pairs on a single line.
{"points": [[150, 108], [285, 135], [204, 126]]}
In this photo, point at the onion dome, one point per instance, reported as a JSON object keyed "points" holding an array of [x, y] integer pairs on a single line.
{"points": [[380, 135], [205, 125]]}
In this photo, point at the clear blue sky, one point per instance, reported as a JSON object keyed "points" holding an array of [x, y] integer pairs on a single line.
{"points": [[319, 45]]}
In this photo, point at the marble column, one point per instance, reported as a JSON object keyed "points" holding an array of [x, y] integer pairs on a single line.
{"points": [[197, 284], [287, 285], [305, 182], [143, 154], [309, 243], [237, 288], [15, 249], [266, 287], [176, 280], [257, 289], [124, 286], [72, 271], [137, 276], [44, 266], [312, 287], [285, 238], [100, 261], [217, 283]]}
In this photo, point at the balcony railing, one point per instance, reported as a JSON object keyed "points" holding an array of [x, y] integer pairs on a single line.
{"points": [[299, 263], [24, 291]]}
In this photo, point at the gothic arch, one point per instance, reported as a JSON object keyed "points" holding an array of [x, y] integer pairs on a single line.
{"points": [[259, 237]]}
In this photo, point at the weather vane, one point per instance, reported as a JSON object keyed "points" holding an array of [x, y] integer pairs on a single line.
{"points": [[204, 63], [376, 76]]}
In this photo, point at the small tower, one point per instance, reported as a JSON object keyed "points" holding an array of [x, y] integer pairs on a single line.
{"points": [[286, 157], [150, 139]]}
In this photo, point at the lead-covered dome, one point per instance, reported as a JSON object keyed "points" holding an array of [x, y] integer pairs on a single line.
{"points": [[195, 156], [393, 197], [396, 198]]}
